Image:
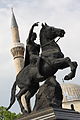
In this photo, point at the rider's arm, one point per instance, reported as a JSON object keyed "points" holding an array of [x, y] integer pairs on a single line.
{"points": [[31, 31]]}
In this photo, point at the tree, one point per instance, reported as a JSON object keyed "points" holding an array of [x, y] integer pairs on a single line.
{"points": [[7, 115]]}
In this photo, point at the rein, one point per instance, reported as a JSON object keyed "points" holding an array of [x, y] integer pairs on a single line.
{"points": [[50, 42]]}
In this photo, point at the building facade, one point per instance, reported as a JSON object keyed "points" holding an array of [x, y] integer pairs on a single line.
{"points": [[71, 96]]}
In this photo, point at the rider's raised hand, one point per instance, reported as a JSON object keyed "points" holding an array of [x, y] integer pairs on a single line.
{"points": [[35, 24]]}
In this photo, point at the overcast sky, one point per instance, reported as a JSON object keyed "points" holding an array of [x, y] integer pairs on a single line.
{"points": [[59, 13]]}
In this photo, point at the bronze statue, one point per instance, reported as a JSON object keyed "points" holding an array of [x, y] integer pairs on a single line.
{"points": [[41, 68]]}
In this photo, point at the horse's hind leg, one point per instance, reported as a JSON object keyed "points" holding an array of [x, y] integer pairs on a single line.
{"points": [[21, 106], [27, 98], [21, 92], [64, 63], [30, 94]]}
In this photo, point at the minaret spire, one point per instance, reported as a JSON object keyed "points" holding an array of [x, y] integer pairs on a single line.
{"points": [[17, 47], [13, 21], [14, 28]]}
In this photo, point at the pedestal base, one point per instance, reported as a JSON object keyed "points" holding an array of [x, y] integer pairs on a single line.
{"points": [[53, 114]]}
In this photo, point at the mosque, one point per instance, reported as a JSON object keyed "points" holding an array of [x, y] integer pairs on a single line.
{"points": [[71, 92]]}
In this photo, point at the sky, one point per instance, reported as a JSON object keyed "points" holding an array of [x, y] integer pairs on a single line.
{"points": [[60, 13]]}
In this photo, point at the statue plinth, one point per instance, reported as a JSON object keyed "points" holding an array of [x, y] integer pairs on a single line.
{"points": [[53, 114], [49, 95]]}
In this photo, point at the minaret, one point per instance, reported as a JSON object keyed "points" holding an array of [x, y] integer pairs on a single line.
{"points": [[17, 51], [17, 48]]}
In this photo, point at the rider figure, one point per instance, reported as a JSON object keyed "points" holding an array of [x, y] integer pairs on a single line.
{"points": [[31, 56], [32, 47]]}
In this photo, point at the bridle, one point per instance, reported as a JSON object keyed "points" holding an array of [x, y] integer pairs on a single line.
{"points": [[50, 42]]}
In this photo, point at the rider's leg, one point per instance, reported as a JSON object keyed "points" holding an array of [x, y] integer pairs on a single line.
{"points": [[45, 67]]}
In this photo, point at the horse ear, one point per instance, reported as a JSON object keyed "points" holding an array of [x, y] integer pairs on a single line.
{"points": [[46, 24], [43, 25]]}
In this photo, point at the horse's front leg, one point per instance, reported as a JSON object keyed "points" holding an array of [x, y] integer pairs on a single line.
{"points": [[73, 71], [62, 63]]}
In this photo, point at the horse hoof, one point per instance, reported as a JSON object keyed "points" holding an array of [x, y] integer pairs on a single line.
{"points": [[75, 64], [25, 112], [69, 76], [66, 77]]}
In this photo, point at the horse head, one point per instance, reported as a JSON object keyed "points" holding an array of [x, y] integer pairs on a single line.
{"points": [[48, 33]]}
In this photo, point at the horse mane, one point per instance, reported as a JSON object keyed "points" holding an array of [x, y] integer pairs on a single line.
{"points": [[42, 35]]}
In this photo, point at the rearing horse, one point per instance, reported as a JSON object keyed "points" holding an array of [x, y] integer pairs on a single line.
{"points": [[47, 65], [52, 58]]}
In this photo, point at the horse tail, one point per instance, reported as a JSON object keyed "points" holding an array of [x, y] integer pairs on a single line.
{"points": [[12, 100]]}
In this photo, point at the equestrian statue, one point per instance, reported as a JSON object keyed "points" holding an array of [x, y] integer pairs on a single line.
{"points": [[40, 68]]}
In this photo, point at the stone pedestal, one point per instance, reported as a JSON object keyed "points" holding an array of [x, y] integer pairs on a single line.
{"points": [[53, 114], [49, 95]]}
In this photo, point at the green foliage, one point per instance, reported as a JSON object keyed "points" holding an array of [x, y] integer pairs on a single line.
{"points": [[7, 115]]}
